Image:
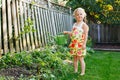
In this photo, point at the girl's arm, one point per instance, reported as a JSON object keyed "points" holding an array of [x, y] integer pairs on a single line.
{"points": [[67, 32], [85, 29]]}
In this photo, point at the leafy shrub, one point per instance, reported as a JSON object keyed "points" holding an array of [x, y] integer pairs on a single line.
{"points": [[47, 63]]}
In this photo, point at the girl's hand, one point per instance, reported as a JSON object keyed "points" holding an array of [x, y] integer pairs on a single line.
{"points": [[65, 32]]}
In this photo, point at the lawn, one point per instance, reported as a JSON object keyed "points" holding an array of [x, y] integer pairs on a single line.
{"points": [[101, 65]]}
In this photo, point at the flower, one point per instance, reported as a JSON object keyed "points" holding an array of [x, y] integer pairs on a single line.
{"points": [[76, 32], [79, 52], [74, 41], [79, 45], [72, 45]]}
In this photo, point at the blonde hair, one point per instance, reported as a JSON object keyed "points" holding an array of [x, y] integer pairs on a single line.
{"points": [[82, 10]]}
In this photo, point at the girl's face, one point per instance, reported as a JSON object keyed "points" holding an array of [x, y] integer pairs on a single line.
{"points": [[79, 15]]}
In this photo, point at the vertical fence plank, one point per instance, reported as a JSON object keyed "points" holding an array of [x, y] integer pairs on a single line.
{"points": [[94, 29], [53, 22], [0, 31], [67, 17], [4, 26], [10, 26], [47, 25], [50, 25], [64, 22], [60, 22], [56, 22], [15, 24], [118, 35], [35, 34], [37, 27], [40, 27], [22, 25], [26, 23], [18, 24], [31, 33], [44, 25]]}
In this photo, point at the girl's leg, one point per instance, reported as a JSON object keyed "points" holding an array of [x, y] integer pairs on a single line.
{"points": [[82, 62], [75, 64]]}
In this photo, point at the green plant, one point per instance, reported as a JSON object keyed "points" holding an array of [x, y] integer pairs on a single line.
{"points": [[28, 27], [90, 45]]}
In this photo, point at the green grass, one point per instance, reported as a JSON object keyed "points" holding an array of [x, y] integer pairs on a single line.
{"points": [[101, 65]]}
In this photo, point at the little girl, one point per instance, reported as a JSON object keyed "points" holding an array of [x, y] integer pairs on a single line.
{"points": [[78, 37]]}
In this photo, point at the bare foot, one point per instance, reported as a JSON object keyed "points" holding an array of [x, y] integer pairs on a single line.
{"points": [[82, 74]]}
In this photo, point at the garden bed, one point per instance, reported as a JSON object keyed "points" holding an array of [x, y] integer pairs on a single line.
{"points": [[15, 72]]}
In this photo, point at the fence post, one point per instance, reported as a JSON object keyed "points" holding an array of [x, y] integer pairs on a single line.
{"points": [[98, 28], [15, 24], [52, 17], [4, 26], [10, 25], [48, 1], [1, 51], [0, 25]]}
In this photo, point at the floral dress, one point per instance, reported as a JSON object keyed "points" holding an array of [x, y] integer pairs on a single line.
{"points": [[77, 38]]}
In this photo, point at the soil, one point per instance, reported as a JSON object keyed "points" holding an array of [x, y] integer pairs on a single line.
{"points": [[14, 72]]}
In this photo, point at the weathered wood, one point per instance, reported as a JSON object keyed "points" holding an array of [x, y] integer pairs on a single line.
{"points": [[37, 28], [18, 24], [35, 34], [0, 28], [118, 35], [53, 22], [14, 17], [49, 25], [56, 22], [10, 26], [46, 22], [63, 22], [26, 23], [40, 27], [22, 26], [1, 50], [44, 25], [4, 26], [31, 33]]}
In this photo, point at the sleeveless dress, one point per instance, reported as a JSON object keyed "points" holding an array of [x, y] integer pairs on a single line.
{"points": [[77, 38]]}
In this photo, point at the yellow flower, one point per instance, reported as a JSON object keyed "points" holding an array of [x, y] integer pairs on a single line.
{"points": [[96, 16], [109, 7], [101, 1]]}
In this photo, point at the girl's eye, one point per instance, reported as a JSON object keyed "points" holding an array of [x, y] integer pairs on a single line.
{"points": [[79, 14]]}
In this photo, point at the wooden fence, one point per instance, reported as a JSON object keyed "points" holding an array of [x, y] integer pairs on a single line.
{"points": [[45, 21], [107, 33]]}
